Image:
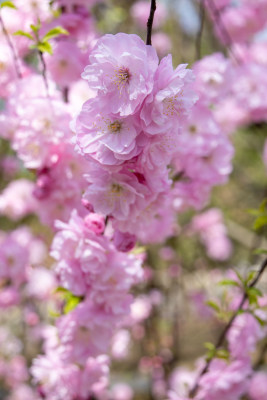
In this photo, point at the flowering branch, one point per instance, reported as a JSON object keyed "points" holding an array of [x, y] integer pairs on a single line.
{"points": [[150, 22], [44, 72], [12, 49], [222, 336]]}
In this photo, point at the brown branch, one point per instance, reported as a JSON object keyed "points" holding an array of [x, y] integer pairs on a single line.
{"points": [[222, 336], [44, 72], [12, 48], [223, 29], [150, 22], [200, 31]]}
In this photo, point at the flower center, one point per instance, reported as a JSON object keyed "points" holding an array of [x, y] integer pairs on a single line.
{"points": [[114, 127], [116, 188], [122, 77], [173, 105]]}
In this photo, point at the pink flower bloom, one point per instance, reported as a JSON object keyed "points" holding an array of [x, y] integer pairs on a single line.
{"points": [[69, 4], [14, 259], [79, 93], [9, 296], [162, 43], [17, 199], [94, 378], [95, 223], [66, 63], [140, 309], [60, 184], [242, 23], [120, 344], [257, 386], [23, 392], [58, 379], [224, 381], [122, 78], [167, 108], [244, 335], [124, 241], [213, 234], [85, 332], [182, 380], [38, 132], [108, 138], [121, 391], [115, 194], [90, 264], [214, 74], [17, 371], [41, 283]]}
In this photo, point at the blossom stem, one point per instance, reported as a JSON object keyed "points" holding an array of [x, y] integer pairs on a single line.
{"points": [[222, 336], [44, 72], [150, 22], [12, 48]]}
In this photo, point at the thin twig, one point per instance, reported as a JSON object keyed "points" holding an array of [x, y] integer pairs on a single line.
{"points": [[150, 22], [200, 31], [223, 29], [65, 92], [44, 72], [222, 336], [12, 49]]}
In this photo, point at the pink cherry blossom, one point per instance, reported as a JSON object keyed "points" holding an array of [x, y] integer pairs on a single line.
{"points": [[122, 79]]}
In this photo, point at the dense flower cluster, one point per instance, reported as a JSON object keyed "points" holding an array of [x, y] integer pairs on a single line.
{"points": [[136, 128]]}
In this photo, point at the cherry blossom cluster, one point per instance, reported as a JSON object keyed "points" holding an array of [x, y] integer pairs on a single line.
{"points": [[136, 132], [231, 378], [89, 266], [237, 21]]}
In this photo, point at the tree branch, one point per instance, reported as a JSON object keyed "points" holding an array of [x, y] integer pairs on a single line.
{"points": [[150, 22], [44, 72], [12, 48], [222, 336], [200, 31], [223, 29]]}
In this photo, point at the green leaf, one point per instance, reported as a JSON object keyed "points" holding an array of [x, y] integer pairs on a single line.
{"points": [[58, 30], [62, 290], [213, 305], [53, 314], [260, 321], [252, 296], [240, 277], [250, 277], [22, 33], [211, 351], [71, 303], [209, 346], [229, 282], [222, 353], [262, 207], [43, 47], [260, 222], [253, 212], [254, 291], [260, 251], [9, 4], [35, 28]]}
